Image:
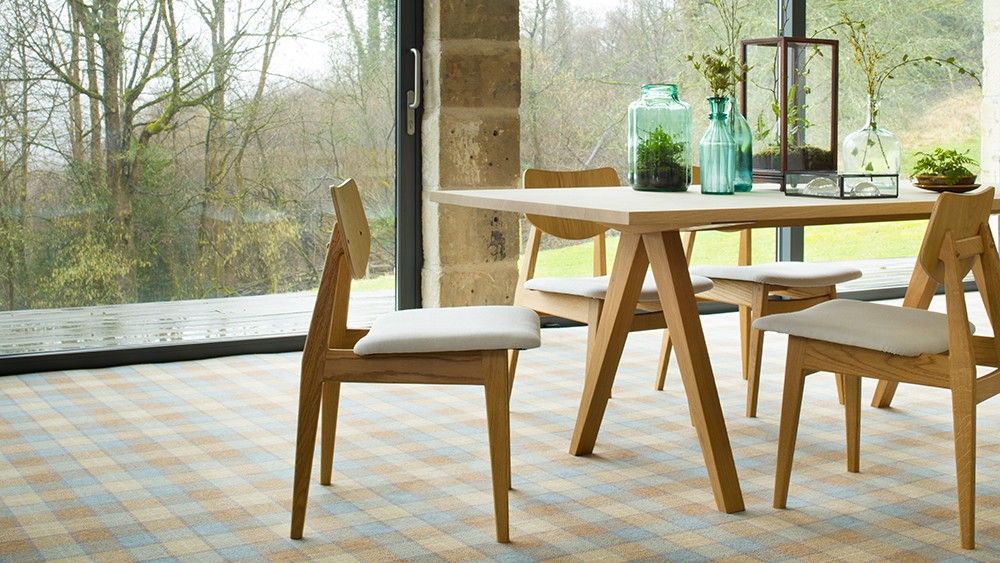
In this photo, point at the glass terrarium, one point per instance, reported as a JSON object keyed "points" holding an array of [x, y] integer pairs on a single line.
{"points": [[659, 140], [789, 96]]}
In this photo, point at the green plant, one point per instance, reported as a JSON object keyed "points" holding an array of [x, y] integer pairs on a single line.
{"points": [[728, 26], [951, 164], [874, 60], [657, 151], [721, 70]]}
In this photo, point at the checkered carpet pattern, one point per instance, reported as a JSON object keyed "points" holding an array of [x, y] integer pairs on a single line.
{"points": [[194, 460]]}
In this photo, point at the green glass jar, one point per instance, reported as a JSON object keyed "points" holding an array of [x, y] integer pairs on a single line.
{"points": [[743, 137], [717, 152], [659, 140]]}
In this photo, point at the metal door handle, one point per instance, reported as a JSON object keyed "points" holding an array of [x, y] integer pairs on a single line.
{"points": [[414, 103]]}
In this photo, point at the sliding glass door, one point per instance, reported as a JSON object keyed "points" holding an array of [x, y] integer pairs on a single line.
{"points": [[164, 166]]}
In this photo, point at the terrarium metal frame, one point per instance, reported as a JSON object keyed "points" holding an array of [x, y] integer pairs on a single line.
{"points": [[781, 45]]}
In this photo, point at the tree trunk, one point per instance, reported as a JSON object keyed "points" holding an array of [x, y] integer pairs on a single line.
{"points": [[75, 106]]}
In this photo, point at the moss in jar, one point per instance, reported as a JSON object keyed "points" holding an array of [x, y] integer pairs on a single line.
{"points": [[800, 157], [659, 163]]}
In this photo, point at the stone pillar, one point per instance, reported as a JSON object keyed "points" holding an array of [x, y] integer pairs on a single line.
{"points": [[471, 139], [990, 115]]}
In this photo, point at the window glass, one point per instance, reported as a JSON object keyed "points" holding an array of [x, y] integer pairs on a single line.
{"points": [[181, 152], [924, 105]]}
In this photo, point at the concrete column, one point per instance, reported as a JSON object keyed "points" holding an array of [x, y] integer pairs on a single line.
{"points": [[990, 116], [471, 139]]}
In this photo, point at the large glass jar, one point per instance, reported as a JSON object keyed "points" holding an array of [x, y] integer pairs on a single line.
{"points": [[871, 149], [659, 140], [717, 152], [743, 137]]}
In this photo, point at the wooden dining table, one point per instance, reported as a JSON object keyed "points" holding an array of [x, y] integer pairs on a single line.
{"points": [[650, 225]]}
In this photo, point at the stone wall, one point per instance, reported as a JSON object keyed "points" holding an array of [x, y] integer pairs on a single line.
{"points": [[471, 139], [990, 152]]}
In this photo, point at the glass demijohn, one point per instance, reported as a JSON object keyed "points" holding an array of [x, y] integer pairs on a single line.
{"points": [[743, 137], [659, 140], [717, 151], [871, 149]]}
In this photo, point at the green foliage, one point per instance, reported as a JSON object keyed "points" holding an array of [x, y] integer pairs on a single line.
{"points": [[877, 63], [657, 151], [721, 69], [950, 163], [88, 271]]}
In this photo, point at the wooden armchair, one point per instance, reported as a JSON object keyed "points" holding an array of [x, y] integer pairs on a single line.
{"points": [[459, 345], [908, 345], [580, 299]]}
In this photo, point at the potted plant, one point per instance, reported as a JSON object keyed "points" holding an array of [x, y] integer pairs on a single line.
{"points": [[660, 162], [944, 167]]}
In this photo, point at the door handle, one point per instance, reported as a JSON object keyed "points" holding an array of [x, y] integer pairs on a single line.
{"points": [[413, 97]]}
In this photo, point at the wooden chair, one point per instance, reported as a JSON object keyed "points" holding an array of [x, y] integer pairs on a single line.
{"points": [[579, 299], [761, 290], [905, 345], [459, 345]]}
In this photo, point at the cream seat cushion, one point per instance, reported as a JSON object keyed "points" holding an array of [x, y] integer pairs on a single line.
{"points": [[897, 330], [451, 329], [788, 274], [597, 287]]}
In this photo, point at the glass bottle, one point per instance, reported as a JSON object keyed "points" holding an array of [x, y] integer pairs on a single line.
{"points": [[717, 151], [659, 140], [871, 149], [743, 137]]}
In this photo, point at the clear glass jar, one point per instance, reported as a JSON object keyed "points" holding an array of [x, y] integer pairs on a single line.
{"points": [[659, 140], [717, 151], [871, 149], [743, 137]]}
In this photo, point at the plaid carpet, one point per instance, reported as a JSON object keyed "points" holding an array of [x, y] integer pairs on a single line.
{"points": [[194, 461]]}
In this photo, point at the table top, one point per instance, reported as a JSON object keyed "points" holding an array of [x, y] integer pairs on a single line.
{"points": [[628, 209]]}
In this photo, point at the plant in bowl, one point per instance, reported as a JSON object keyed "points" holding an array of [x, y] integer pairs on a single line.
{"points": [[944, 167], [660, 162]]}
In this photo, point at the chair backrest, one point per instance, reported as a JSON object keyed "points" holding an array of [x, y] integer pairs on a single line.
{"points": [[569, 228], [354, 225], [961, 216]]}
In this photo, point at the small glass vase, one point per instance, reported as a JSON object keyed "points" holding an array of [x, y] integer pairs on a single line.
{"points": [[659, 140], [871, 149], [743, 137], [717, 151]]}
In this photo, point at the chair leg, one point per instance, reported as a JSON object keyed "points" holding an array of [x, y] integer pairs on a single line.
{"points": [[512, 363], [661, 370], [791, 407], [756, 348], [310, 392], [964, 414], [593, 320], [328, 429], [745, 323], [498, 424], [839, 378], [852, 411]]}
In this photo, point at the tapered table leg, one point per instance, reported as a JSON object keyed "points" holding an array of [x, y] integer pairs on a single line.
{"points": [[616, 318], [673, 282]]}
